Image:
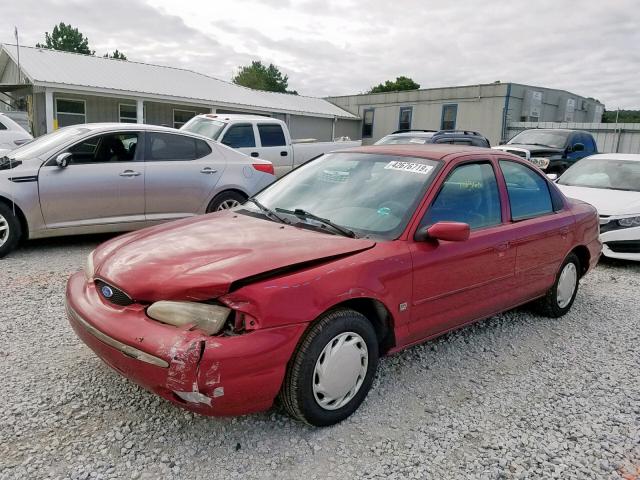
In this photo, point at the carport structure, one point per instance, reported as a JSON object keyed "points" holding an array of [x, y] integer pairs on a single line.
{"points": [[61, 88]]}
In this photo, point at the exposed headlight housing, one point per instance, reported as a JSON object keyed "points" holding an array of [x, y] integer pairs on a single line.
{"points": [[540, 162], [88, 268], [208, 318], [629, 222]]}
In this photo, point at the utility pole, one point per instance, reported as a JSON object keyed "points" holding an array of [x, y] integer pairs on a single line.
{"points": [[18, 50]]}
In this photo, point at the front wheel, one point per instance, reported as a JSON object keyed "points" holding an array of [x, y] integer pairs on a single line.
{"points": [[560, 297], [332, 370], [10, 230]]}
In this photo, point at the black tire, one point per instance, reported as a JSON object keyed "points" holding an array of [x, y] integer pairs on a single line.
{"points": [[225, 198], [549, 305], [297, 393], [11, 230]]}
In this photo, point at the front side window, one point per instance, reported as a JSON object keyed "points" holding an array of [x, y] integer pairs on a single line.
{"points": [[404, 122], [170, 147], [128, 113], [449, 115], [271, 135], [240, 136], [469, 195], [114, 147], [70, 112], [180, 117], [528, 191], [371, 194], [367, 123]]}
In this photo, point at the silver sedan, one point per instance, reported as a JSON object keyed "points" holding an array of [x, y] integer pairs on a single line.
{"points": [[117, 177]]}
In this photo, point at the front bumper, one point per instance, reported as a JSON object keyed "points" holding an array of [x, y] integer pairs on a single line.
{"points": [[210, 375], [623, 243]]}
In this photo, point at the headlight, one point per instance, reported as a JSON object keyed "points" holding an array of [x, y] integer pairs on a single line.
{"points": [[208, 318], [541, 162], [629, 222], [88, 267]]}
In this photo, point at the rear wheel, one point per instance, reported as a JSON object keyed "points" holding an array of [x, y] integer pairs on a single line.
{"points": [[332, 370], [225, 201], [10, 230], [560, 297]]}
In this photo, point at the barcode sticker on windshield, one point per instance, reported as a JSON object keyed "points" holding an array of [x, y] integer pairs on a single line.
{"points": [[409, 167]]}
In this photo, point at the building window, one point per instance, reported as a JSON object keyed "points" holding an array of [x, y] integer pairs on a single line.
{"points": [[70, 112], [128, 113], [367, 123], [404, 121], [449, 114], [180, 117]]}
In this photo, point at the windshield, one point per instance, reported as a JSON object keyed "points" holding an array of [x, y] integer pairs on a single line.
{"points": [[404, 139], [204, 126], [51, 141], [547, 138], [602, 173], [372, 195]]}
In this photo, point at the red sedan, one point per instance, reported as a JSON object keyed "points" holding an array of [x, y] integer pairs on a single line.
{"points": [[354, 255]]}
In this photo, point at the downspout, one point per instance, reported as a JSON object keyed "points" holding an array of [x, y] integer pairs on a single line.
{"points": [[505, 113]]}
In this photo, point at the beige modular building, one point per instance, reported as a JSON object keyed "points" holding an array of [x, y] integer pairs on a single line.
{"points": [[487, 108], [56, 89]]}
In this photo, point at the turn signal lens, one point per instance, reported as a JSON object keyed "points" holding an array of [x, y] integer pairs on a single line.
{"points": [[629, 222], [208, 318]]}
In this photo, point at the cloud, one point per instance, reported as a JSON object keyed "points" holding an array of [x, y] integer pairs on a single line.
{"points": [[337, 47]]}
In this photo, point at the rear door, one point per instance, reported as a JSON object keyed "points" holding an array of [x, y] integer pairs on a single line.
{"points": [[181, 174], [273, 147], [541, 231], [457, 282], [103, 183]]}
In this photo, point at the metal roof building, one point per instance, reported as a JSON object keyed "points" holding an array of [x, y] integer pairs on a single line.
{"points": [[60, 88]]}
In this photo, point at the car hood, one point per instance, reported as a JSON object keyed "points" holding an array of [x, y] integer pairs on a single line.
{"points": [[531, 148], [607, 201], [199, 258]]}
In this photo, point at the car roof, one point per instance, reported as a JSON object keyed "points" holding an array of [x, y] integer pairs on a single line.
{"points": [[430, 151], [237, 116], [617, 156]]}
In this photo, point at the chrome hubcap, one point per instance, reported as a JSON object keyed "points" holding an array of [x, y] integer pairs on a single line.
{"points": [[340, 370], [227, 204], [567, 284], [4, 230]]}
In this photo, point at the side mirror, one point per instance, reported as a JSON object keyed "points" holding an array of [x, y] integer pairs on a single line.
{"points": [[62, 160], [552, 176], [578, 147], [449, 231]]}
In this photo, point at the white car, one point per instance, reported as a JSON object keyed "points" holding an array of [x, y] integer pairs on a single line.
{"points": [[611, 183], [12, 135]]}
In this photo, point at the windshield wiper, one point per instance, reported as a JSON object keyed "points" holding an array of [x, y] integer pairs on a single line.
{"points": [[298, 212], [267, 211]]}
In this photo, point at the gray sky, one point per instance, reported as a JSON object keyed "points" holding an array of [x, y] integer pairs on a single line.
{"points": [[340, 47]]}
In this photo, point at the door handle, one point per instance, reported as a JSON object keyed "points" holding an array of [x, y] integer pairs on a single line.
{"points": [[129, 173], [254, 154], [208, 170], [284, 154]]}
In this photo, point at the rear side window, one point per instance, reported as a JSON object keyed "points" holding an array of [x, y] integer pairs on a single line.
{"points": [[469, 195], [167, 146], [271, 135], [202, 148], [528, 192], [2, 127], [240, 136]]}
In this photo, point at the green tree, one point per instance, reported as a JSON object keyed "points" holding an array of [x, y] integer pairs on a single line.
{"points": [[400, 83], [118, 55], [624, 116], [263, 77], [67, 39]]}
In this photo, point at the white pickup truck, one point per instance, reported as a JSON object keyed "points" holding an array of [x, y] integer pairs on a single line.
{"points": [[263, 137]]}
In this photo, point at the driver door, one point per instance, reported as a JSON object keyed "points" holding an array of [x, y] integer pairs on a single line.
{"points": [[457, 282], [103, 183]]}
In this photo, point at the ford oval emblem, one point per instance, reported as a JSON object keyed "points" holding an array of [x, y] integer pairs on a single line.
{"points": [[107, 292]]}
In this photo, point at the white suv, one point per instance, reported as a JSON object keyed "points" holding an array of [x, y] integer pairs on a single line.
{"points": [[12, 135]]}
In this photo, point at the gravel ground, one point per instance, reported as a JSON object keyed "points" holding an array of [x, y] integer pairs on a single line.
{"points": [[516, 396]]}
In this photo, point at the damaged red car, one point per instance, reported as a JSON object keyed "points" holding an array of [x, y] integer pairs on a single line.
{"points": [[355, 255]]}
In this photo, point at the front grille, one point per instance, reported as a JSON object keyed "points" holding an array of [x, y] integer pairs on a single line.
{"points": [[624, 246], [118, 297]]}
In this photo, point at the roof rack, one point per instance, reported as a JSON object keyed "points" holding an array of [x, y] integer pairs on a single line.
{"points": [[457, 132], [408, 130]]}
